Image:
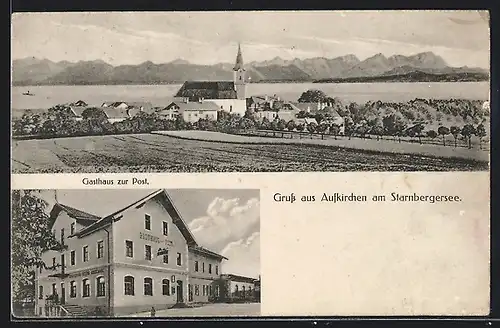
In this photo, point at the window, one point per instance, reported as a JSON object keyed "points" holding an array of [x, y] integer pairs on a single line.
{"points": [[72, 289], [165, 258], [54, 289], [210, 268], [72, 228], [196, 266], [62, 236], [129, 246], [41, 268], [86, 288], [204, 290], [147, 254], [200, 112], [40, 292], [179, 259], [203, 266], [85, 253], [210, 290], [100, 249], [236, 289], [101, 287], [165, 228], [231, 106], [243, 290], [129, 285], [72, 257], [217, 269], [197, 290], [147, 222], [54, 262], [63, 261], [166, 286], [148, 286], [217, 291]]}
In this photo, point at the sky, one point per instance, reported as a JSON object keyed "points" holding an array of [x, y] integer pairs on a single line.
{"points": [[225, 221], [460, 37]]}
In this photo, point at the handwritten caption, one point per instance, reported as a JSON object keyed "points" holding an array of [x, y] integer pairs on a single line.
{"points": [[357, 198], [111, 182]]}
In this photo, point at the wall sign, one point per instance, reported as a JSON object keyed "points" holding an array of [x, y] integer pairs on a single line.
{"points": [[155, 239], [172, 278], [86, 273]]}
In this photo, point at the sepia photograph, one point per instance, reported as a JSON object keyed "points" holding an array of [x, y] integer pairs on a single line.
{"points": [[135, 253], [296, 91]]}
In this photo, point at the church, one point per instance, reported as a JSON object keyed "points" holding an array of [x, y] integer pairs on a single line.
{"points": [[228, 96]]}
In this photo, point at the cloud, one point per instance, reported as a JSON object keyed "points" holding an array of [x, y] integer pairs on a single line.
{"points": [[226, 221], [244, 256]]}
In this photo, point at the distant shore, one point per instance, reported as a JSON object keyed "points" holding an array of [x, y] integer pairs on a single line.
{"points": [[407, 78]]}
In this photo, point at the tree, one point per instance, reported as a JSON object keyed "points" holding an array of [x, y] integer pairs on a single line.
{"points": [[467, 131], [31, 236], [481, 133], [300, 127], [92, 112], [311, 127], [312, 95], [335, 130], [349, 126], [394, 124], [362, 130], [455, 131], [290, 126], [443, 131], [246, 124], [432, 134], [321, 128]]}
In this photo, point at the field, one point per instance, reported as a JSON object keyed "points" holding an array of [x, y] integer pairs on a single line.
{"points": [[160, 153], [372, 145]]}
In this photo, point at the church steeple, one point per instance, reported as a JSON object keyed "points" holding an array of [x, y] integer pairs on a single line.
{"points": [[239, 76], [239, 60]]}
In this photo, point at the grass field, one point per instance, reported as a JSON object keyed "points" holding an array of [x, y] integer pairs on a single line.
{"points": [[160, 153]]}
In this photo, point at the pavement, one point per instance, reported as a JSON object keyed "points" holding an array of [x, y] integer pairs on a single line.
{"points": [[207, 310]]}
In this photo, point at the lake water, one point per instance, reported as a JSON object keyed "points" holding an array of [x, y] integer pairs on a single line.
{"points": [[48, 96]]}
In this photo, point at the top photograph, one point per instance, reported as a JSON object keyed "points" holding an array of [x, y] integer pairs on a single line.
{"points": [[284, 91]]}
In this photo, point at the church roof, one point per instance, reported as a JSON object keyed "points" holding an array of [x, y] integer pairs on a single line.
{"points": [[195, 90], [239, 60]]}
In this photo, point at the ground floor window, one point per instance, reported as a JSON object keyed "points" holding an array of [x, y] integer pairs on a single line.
{"points": [[148, 286], [197, 290], [40, 310], [166, 286], [129, 285], [72, 291], [40, 292], [101, 287], [86, 288]]}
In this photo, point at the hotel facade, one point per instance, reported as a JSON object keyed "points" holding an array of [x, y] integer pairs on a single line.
{"points": [[139, 257]]}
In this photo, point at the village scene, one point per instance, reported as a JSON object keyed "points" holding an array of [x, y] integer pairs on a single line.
{"points": [[211, 124]]}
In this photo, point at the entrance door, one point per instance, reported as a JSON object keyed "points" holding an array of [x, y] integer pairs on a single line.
{"points": [[180, 292], [63, 293]]}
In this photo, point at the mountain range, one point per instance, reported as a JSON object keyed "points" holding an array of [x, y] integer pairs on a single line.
{"points": [[348, 68]]}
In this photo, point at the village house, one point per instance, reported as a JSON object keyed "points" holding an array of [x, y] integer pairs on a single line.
{"points": [[192, 111], [229, 96], [237, 288], [140, 256]]}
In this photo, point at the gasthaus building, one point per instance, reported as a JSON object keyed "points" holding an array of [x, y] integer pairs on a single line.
{"points": [[139, 257]]}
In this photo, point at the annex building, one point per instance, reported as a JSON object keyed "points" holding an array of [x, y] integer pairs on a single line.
{"points": [[229, 96], [141, 256]]}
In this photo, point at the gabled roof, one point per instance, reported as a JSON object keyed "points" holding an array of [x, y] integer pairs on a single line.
{"points": [[82, 217], [304, 106], [208, 252], [77, 110], [196, 105], [113, 112], [238, 278], [195, 90], [166, 202]]}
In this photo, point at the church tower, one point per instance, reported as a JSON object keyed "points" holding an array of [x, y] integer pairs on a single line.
{"points": [[239, 76]]}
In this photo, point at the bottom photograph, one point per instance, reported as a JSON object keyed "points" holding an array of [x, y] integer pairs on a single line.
{"points": [[135, 253]]}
